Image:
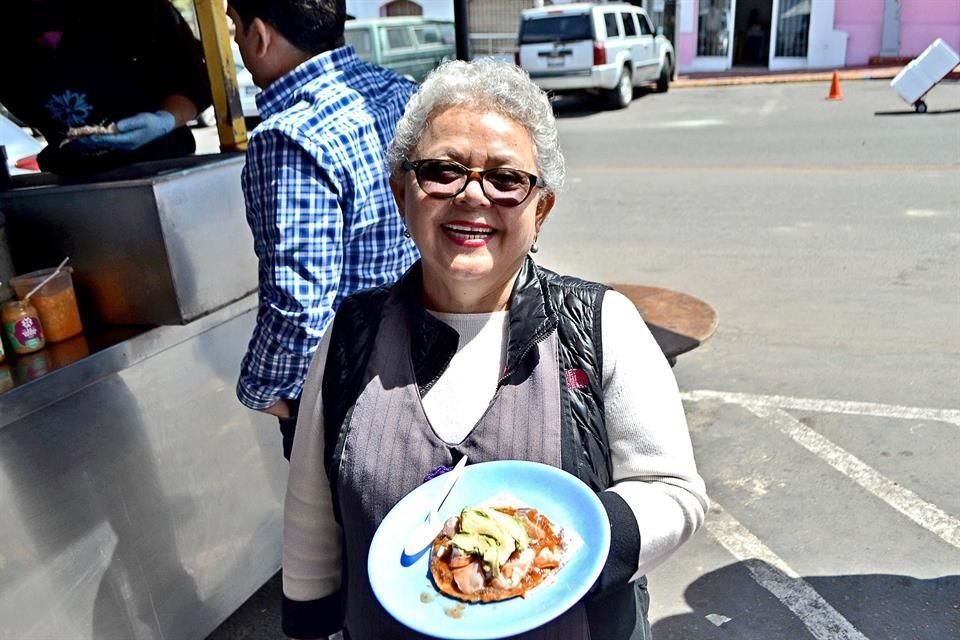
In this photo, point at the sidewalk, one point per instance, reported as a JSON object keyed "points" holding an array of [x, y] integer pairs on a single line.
{"points": [[757, 75]]}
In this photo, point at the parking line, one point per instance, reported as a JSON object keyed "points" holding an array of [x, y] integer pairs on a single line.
{"points": [[607, 169], [927, 515], [951, 416], [773, 574]]}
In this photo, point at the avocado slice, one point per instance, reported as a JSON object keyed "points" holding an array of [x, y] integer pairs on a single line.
{"points": [[490, 534]]}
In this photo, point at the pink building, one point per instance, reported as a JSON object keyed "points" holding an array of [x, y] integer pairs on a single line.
{"points": [[716, 35]]}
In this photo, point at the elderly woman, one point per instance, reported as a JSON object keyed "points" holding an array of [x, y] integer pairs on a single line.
{"points": [[478, 351]]}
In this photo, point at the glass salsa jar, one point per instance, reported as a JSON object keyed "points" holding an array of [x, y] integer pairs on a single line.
{"points": [[21, 326]]}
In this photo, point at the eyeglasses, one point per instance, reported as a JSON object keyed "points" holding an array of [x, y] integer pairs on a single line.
{"points": [[447, 179]]}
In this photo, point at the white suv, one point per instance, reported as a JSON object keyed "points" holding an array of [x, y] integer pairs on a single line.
{"points": [[602, 48]]}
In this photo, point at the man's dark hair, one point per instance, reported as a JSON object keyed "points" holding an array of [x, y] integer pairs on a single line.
{"points": [[313, 26]]}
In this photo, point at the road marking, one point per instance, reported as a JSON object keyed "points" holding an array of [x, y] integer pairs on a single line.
{"points": [[925, 514], [951, 416], [924, 213], [685, 124], [773, 574], [771, 408], [764, 168]]}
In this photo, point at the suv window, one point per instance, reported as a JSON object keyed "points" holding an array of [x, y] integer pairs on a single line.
{"points": [[360, 40], [398, 38], [610, 22], [448, 34], [575, 27], [629, 24], [645, 27]]}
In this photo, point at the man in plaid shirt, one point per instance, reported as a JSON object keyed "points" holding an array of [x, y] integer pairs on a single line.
{"points": [[316, 185]]}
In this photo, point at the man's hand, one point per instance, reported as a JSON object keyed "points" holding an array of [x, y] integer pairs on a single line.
{"points": [[135, 131]]}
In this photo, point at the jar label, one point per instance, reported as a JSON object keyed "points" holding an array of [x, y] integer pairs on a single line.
{"points": [[25, 333]]}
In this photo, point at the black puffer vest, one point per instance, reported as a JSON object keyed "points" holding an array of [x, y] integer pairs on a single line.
{"points": [[541, 302]]}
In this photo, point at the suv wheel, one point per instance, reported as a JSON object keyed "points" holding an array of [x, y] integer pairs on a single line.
{"points": [[663, 82], [622, 94]]}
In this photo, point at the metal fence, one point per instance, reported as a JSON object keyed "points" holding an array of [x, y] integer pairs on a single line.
{"points": [[493, 44]]}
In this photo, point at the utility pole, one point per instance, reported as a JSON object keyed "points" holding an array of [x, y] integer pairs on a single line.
{"points": [[461, 19]]}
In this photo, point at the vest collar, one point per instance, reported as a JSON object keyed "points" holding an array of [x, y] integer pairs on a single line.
{"points": [[532, 318], [433, 343]]}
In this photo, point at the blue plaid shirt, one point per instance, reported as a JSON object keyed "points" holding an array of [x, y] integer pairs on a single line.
{"points": [[324, 220]]}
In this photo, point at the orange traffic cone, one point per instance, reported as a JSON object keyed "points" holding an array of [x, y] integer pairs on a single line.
{"points": [[835, 92]]}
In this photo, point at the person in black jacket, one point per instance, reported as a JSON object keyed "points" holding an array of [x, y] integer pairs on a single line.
{"points": [[131, 66], [479, 352]]}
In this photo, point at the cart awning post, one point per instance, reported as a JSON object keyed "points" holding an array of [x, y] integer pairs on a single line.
{"points": [[215, 36]]}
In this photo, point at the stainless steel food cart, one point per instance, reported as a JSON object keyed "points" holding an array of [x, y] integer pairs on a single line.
{"points": [[139, 498]]}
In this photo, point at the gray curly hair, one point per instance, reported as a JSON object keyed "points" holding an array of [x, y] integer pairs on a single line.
{"points": [[487, 84]]}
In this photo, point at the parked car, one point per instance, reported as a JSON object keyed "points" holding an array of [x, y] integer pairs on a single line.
{"points": [[411, 46], [604, 49], [248, 93]]}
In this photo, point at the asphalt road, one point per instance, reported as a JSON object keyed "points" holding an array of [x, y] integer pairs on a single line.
{"points": [[825, 410]]}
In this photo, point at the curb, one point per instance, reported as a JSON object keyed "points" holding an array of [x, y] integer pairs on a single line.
{"points": [[731, 79]]}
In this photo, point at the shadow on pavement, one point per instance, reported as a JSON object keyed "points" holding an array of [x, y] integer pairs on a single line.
{"points": [[585, 104], [258, 618], [933, 112], [888, 606], [893, 607]]}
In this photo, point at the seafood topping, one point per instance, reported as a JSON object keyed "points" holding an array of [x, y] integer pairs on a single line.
{"points": [[487, 554]]}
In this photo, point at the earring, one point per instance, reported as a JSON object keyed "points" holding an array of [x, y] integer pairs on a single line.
{"points": [[534, 247], [406, 232]]}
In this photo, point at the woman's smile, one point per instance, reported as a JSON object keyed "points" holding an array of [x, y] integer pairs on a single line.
{"points": [[468, 234]]}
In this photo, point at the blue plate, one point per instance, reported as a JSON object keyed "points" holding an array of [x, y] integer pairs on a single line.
{"points": [[403, 585]]}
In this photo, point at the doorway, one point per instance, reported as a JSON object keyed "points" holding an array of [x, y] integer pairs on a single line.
{"points": [[751, 33]]}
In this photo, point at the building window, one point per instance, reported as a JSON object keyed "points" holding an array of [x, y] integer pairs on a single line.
{"points": [[401, 8], [713, 32], [793, 28]]}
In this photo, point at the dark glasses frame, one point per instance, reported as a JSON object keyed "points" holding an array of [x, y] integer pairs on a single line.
{"points": [[470, 174]]}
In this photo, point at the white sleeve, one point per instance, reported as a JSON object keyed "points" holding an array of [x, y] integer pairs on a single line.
{"points": [[652, 457], [311, 535]]}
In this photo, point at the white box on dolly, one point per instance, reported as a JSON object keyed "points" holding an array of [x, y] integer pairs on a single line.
{"points": [[923, 73]]}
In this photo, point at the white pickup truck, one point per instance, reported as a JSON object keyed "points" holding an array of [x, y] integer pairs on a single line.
{"points": [[606, 49]]}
